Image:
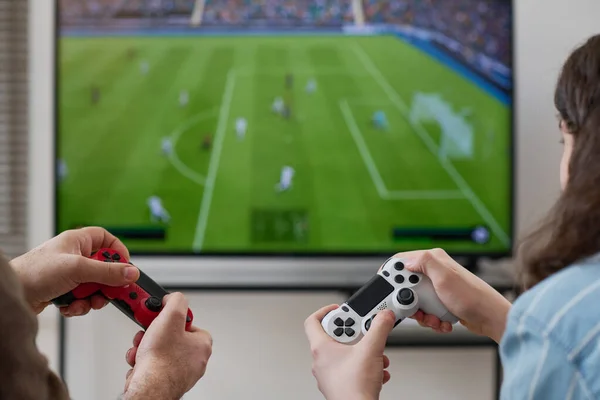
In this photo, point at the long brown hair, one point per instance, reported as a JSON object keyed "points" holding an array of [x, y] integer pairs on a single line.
{"points": [[571, 231]]}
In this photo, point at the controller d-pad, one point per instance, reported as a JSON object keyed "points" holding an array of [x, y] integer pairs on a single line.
{"points": [[108, 260], [338, 332], [338, 322], [116, 257], [349, 332], [105, 254], [349, 322], [413, 279]]}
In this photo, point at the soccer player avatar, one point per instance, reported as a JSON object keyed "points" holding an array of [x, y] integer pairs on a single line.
{"points": [[158, 213], [241, 125], [285, 179]]}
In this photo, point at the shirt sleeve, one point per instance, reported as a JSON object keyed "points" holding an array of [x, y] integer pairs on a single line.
{"points": [[24, 372], [536, 367]]}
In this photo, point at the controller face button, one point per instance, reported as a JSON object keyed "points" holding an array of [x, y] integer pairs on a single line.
{"points": [[345, 309], [349, 322], [338, 332], [133, 295], [350, 332], [105, 254], [413, 279], [116, 257], [399, 279], [406, 297], [338, 322], [399, 266], [154, 304], [386, 274]]}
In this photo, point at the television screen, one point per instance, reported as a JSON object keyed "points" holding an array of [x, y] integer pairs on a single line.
{"points": [[287, 127]]}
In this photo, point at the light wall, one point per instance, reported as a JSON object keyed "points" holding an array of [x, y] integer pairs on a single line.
{"points": [[260, 351]]}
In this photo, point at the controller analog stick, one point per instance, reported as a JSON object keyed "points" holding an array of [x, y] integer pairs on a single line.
{"points": [[154, 304], [405, 297]]}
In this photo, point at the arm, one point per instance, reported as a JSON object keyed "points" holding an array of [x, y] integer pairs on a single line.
{"points": [[24, 372], [536, 366]]}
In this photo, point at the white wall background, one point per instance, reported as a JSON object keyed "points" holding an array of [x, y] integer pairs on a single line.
{"points": [[260, 351]]}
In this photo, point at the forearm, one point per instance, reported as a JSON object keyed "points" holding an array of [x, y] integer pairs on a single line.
{"points": [[497, 317], [152, 387]]}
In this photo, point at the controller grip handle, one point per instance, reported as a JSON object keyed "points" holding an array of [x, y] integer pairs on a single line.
{"points": [[83, 291]]}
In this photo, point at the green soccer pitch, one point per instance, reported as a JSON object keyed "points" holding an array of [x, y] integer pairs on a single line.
{"points": [[353, 184]]}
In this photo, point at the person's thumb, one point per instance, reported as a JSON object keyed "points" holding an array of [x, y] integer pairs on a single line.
{"points": [[173, 316], [111, 274], [381, 326]]}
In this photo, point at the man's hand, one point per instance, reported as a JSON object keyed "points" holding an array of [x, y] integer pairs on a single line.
{"points": [[61, 264], [167, 360], [347, 372]]}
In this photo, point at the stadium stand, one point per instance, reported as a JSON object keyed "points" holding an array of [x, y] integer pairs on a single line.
{"points": [[485, 28]]}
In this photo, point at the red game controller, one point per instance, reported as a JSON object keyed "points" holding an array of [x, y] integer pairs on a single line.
{"points": [[140, 301]]}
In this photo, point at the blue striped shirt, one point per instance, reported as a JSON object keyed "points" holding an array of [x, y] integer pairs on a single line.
{"points": [[551, 346]]}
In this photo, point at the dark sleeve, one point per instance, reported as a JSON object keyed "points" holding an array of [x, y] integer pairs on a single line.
{"points": [[24, 371]]}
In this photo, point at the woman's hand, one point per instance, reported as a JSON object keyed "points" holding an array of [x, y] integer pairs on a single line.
{"points": [[61, 264], [346, 372], [479, 307]]}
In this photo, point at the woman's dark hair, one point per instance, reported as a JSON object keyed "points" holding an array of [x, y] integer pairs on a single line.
{"points": [[571, 231]]}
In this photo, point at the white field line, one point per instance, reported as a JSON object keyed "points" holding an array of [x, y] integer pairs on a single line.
{"points": [[174, 158], [464, 187], [213, 166]]}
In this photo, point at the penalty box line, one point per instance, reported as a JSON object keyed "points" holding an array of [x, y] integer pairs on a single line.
{"points": [[422, 133], [380, 186]]}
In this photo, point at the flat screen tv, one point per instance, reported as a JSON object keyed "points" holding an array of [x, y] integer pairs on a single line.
{"points": [[287, 129]]}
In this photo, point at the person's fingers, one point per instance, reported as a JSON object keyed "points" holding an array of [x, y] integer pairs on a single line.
{"points": [[98, 302], [432, 321], [137, 339], [83, 270], [312, 326], [386, 361], [174, 313], [418, 316], [446, 327], [386, 377], [376, 337], [94, 238], [130, 356], [76, 308]]}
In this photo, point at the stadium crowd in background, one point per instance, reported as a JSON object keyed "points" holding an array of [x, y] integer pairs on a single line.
{"points": [[485, 28], [278, 12]]}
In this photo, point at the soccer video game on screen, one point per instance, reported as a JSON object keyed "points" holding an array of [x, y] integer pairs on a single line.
{"points": [[286, 127]]}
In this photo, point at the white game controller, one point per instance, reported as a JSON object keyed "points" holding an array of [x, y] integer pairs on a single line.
{"points": [[393, 288]]}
